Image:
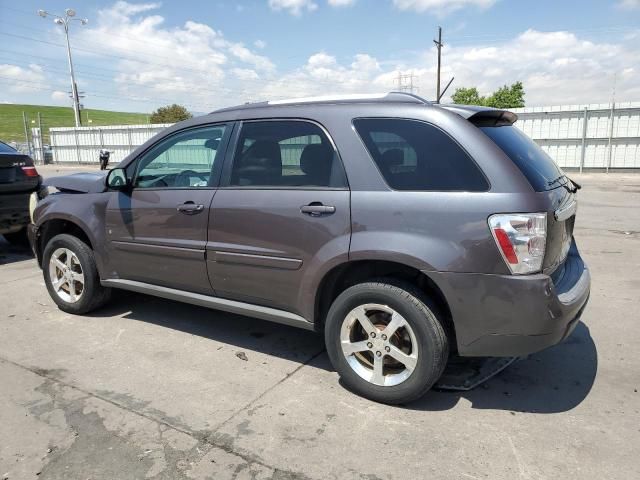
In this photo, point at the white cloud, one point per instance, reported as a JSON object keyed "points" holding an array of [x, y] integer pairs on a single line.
{"points": [[441, 7], [260, 44], [59, 96], [196, 65], [555, 67], [247, 56], [341, 3], [245, 74], [294, 7], [22, 79], [186, 64], [629, 4]]}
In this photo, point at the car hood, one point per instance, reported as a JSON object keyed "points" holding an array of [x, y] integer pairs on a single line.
{"points": [[92, 182]]}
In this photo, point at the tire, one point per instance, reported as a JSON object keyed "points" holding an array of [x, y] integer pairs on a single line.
{"points": [[424, 327], [18, 238], [92, 295]]}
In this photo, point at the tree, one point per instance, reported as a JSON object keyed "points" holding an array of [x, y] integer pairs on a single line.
{"points": [[467, 96], [170, 114], [505, 97]]}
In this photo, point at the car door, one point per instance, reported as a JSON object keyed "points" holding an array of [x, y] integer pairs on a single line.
{"points": [[157, 230], [281, 214]]}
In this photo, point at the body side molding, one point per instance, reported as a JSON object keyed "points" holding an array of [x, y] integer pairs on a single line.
{"points": [[231, 306]]}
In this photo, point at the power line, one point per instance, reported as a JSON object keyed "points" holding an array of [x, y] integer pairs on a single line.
{"points": [[146, 62], [405, 82], [108, 79]]}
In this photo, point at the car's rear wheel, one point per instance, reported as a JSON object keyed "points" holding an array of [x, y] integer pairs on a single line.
{"points": [[71, 276], [386, 341]]}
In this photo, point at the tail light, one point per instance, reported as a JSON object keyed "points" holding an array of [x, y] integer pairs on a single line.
{"points": [[30, 171], [521, 239]]}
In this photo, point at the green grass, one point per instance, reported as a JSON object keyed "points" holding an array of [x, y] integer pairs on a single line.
{"points": [[12, 127]]}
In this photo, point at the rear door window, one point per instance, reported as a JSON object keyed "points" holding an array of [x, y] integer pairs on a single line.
{"points": [[285, 154], [539, 169], [417, 156]]}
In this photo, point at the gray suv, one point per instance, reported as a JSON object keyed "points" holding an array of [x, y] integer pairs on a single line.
{"points": [[402, 230]]}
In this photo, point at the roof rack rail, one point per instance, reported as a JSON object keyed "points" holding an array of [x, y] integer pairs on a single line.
{"points": [[390, 97], [401, 97]]}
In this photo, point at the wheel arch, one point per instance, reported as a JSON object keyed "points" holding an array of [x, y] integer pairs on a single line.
{"points": [[56, 226], [347, 274]]}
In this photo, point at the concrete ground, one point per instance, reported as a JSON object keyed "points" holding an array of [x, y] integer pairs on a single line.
{"points": [[149, 388]]}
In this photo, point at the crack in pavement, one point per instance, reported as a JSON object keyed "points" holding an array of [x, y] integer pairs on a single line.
{"points": [[210, 437], [278, 383]]}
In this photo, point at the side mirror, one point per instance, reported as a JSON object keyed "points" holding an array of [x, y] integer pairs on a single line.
{"points": [[117, 179]]}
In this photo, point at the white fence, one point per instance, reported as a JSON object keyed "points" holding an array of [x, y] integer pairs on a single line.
{"points": [[83, 144], [600, 136]]}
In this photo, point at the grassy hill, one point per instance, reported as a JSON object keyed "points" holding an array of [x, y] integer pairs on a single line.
{"points": [[12, 127]]}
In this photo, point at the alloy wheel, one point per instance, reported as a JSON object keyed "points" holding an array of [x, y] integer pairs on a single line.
{"points": [[379, 344], [66, 275]]}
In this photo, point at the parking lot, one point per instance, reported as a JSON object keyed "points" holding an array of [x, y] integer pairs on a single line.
{"points": [[150, 388]]}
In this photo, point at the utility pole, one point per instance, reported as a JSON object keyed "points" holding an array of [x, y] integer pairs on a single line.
{"points": [[439, 45], [69, 13]]}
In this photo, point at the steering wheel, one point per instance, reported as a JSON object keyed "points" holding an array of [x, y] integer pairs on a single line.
{"points": [[182, 179]]}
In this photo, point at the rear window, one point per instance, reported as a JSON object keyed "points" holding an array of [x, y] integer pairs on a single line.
{"points": [[539, 169], [4, 148], [417, 156]]}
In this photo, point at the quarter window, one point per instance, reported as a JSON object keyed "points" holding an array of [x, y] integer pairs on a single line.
{"points": [[285, 154], [184, 160], [414, 155]]}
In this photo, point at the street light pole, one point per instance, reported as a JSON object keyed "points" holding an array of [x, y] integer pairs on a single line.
{"points": [[74, 86], [69, 13]]}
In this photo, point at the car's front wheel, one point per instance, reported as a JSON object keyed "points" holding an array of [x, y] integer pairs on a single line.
{"points": [[71, 276], [386, 341]]}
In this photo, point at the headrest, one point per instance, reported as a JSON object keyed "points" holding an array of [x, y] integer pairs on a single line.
{"points": [[212, 143], [264, 153], [316, 161], [393, 157]]}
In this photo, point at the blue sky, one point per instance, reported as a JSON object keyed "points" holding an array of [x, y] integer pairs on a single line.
{"points": [[137, 56]]}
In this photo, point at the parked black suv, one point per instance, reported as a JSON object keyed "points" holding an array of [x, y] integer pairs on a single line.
{"points": [[401, 229], [18, 179]]}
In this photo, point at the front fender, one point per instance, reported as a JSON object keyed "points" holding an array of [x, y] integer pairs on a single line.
{"points": [[85, 211]]}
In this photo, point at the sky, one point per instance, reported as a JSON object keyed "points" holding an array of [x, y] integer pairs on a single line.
{"points": [[206, 54]]}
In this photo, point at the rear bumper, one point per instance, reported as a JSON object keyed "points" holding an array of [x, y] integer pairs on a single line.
{"points": [[14, 212], [508, 315]]}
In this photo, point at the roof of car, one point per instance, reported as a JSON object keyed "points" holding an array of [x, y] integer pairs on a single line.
{"points": [[389, 98]]}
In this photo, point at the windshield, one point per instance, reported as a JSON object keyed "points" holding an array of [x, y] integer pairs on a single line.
{"points": [[538, 167]]}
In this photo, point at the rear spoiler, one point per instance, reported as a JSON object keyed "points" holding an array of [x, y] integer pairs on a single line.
{"points": [[483, 116]]}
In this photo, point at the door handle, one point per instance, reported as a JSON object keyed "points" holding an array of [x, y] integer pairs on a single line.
{"points": [[316, 209], [190, 208]]}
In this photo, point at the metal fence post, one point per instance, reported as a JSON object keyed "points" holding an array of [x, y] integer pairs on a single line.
{"points": [[585, 120], [610, 145], [129, 137], [75, 134], [42, 159], [26, 132]]}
